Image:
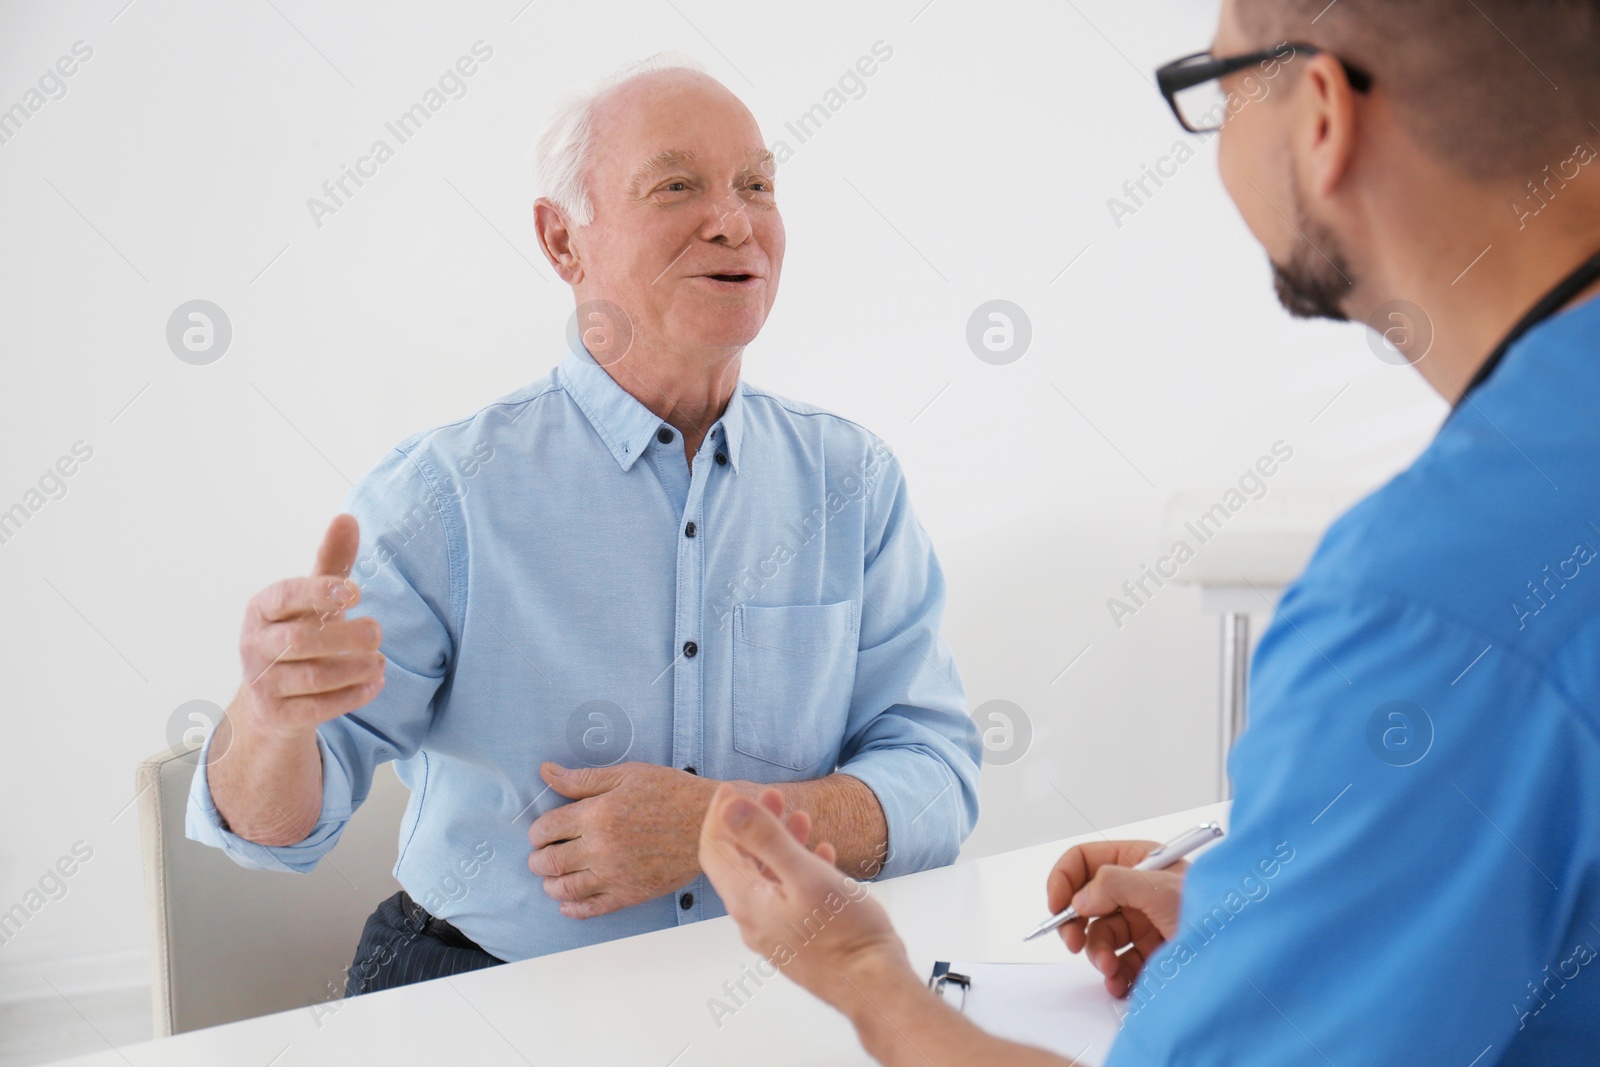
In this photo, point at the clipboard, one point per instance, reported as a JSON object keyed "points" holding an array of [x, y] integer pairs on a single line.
{"points": [[943, 976], [1063, 1007]]}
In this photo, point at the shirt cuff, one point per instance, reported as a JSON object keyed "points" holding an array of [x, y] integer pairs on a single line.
{"points": [[921, 804], [203, 822]]}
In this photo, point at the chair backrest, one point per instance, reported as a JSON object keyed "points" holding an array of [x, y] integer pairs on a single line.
{"points": [[228, 942]]}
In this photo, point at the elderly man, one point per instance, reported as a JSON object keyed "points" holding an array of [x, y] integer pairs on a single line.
{"points": [[1419, 787], [606, 592]]}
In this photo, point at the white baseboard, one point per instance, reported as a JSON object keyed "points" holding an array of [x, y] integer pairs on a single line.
{"points": [[31, 979]]}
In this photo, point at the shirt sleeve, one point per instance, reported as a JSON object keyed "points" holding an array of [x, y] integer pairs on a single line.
{"points": [[1400, 862], [909, 737], [405, 568]]}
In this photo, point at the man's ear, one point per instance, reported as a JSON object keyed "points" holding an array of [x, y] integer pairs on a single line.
{"points": [[1330, 122], [555, 239]]}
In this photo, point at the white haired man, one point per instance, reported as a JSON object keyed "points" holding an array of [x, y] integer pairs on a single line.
{"points": [[606, 592]]}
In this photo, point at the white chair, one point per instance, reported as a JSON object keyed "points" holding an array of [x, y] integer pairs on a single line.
{"points": [[227, 942]]}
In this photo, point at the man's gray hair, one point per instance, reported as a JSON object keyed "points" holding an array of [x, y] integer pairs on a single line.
{"points": [[563, 146]]}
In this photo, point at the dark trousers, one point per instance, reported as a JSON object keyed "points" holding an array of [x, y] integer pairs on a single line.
{"points": [[402, 943]]}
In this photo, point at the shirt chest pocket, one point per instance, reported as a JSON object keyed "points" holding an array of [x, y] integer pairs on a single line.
{"points": [[794, 669]]}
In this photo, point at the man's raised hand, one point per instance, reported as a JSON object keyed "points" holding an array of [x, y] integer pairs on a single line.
{"points": [[304, 662]]}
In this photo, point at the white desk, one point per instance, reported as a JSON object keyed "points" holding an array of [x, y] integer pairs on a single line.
{"points": [[642, 1001]]}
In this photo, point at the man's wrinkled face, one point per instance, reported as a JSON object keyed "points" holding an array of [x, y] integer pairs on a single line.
{"points": [[686, 235], [1310, 273]]}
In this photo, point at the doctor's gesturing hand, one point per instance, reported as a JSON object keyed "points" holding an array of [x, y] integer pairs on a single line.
{"points": [[778, 890], [1124, 907], [304, 664], [825, 931]]}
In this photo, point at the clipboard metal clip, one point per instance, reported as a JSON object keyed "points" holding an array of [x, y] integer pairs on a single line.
{"points": [[938, 981]]}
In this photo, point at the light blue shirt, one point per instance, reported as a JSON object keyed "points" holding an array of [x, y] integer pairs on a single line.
{"points": [[554, 583], [1413, 870]]}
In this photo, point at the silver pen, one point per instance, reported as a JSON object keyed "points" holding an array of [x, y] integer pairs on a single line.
{"points": [[1160, 858]]}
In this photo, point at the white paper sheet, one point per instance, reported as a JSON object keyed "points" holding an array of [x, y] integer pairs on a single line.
{"points": [[1063, 1007]]}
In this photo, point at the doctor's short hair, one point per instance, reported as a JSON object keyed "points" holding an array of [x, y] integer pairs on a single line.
{"points": [[561, 152], [1496, 88]]}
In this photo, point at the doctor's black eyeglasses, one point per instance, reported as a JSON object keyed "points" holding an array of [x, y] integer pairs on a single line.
{"points": [[1199, 102]]}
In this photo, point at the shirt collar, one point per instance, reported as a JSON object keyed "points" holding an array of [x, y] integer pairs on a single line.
{"points": [[627, 426]]}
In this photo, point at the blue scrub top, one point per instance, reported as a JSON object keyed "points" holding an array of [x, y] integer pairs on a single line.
{"points": [[1413, 870]]}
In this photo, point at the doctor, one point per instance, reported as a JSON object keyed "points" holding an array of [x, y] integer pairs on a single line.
{"points": [[1421, 775]]}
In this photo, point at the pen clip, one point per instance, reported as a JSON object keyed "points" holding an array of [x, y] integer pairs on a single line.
{"points": [[1183, 844]]}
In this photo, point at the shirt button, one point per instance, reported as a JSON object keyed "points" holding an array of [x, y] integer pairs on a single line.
{"points": [[690, 649], [691, 770], [686, 901], [688, 531], [722, 459], [664, 435]]}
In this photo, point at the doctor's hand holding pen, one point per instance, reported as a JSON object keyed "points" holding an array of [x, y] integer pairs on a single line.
{"points": [[1116, 906]]}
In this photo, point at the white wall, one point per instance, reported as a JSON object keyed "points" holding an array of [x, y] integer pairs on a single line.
{"points": [[977, 165]]}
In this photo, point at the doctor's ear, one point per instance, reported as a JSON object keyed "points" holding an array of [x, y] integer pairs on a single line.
{"points": [[1331, 120]]}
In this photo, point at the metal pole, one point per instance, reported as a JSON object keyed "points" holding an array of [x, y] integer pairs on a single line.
{"points": [[1235, 686]]}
